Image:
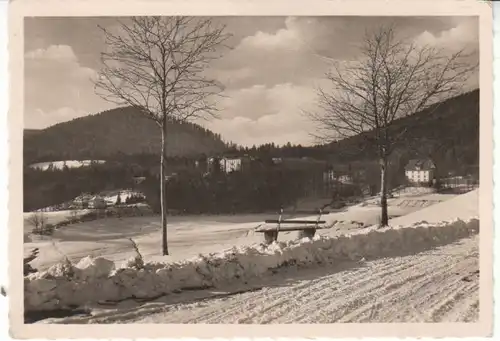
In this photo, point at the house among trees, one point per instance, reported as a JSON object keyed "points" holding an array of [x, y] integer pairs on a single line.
{"points": [[230, 164], [97, 202], [82, 201], [332, 175], [339, 180], [420, 171], [227, 164], [89, 201]]}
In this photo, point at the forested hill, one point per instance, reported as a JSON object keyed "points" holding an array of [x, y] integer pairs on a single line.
{"points": [[116, 131], [447, 132]]}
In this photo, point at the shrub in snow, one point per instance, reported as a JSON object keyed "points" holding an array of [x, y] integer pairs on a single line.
{"points": [[135, 262], [94, 278]]}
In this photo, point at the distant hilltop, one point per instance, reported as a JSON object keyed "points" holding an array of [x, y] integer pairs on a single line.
{"points": [[117, 131]]}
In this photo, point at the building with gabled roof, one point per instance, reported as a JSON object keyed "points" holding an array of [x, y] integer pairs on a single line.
{"points": [[420, 171]]}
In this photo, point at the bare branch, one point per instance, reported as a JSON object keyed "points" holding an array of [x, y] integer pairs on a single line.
{"points": [[157, 64], [392, 79]]}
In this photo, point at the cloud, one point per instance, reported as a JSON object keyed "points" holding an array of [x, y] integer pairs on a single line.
{"points": [[59, 57], [464, 35], [271, 114], [287, 39], [53, 53], [56, 84], [269, 72], [268, 58], [270, 75], [299, 52], [39, 119]]}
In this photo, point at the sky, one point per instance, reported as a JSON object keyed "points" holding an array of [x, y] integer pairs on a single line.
{"points": [[270, 72]]}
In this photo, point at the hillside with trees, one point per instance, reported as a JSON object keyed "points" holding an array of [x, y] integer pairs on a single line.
{"points": [[116, 131], [447, 132]]}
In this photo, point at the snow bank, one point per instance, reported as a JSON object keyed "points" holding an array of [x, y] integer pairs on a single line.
{"points": [[461, 206], [96, 279]]}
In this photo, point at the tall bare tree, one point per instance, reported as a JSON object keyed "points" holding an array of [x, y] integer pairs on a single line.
{"points": [[156, 65], [391, 79]]}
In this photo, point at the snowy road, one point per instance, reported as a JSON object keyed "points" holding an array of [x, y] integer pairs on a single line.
{"points": [[441, 285]]}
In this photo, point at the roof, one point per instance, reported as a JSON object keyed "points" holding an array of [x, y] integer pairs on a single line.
{"points": [[420, 164], [83, 197], [97, 197]]}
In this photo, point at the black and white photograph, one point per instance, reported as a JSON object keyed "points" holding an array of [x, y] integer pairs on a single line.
{"points": [[252, 170]]}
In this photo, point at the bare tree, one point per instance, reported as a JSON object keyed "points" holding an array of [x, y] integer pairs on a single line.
{"points": [[392, 78], [38, 220], [156, 65]]}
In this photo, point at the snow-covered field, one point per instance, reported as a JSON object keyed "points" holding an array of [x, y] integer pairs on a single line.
{"points": [[60, 164], [188, 235], [393, 269], [53, 217]]}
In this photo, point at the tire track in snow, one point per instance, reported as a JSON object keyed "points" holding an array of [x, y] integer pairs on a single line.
{"points": [[432, 292], [391, 293], [427, 282]]}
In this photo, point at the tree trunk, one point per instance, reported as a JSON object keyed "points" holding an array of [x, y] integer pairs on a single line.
{"points": [[384, 219], [163, 189]]}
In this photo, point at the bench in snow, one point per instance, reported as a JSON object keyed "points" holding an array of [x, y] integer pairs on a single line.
{"points": [[306, 227]]}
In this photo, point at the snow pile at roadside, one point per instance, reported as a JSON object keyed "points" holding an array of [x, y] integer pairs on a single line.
{"points": [[96, 279]]}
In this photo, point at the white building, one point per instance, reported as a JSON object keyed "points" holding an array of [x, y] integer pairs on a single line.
{"points": [[231, 165], [227, 165], [420, 171]]}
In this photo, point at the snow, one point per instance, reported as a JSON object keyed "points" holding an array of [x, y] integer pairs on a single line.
{"points": [[98, 278], [53, 217], [411, 191], [112, 197], [461, 206], [56, 288], [188, 236], [424, 287], [69, 163], [95, 267]]}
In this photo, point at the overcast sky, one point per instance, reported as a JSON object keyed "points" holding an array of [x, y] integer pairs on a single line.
{"points": [[270, 73]]}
